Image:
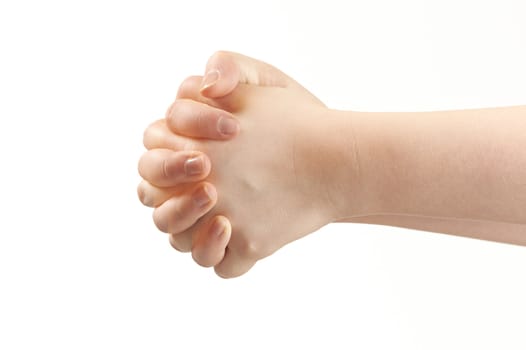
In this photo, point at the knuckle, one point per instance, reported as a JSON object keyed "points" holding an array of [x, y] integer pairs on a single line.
{"points": [[178, 114], [219, 54], [169, 110], [189, 85], [166, 169], [171, 170], [142, 165], [174, 110], [222, 273], [217, 57], [170, 216], [200, 257], [201, 120], [249, 248], [189, 116], [143, 196], [187, 81], [160, 221], [151, 134], [179, 244]]}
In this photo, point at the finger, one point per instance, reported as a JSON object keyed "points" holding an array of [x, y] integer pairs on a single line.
{"points": [[167, 168], [209, 243], [198, 120], [179, 213], [233, 264], [153, 196], [189, 89], [181, 242], [225, 70], [157, 135], [240, 256]]}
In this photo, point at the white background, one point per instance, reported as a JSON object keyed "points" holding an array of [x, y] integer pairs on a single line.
{"points": [[81, 263]]}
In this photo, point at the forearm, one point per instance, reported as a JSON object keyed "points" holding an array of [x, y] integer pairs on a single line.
{"points": [[468, 164], [487, 230]]}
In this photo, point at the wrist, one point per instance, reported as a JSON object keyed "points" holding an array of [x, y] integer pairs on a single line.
{"points": [[331, 161], [349, 183]]}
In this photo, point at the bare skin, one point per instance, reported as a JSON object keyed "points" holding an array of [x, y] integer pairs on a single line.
{"points": [[290, 165], [502, 232]]}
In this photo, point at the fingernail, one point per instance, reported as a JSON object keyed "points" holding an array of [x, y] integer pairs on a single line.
{"points": [[202, 196], [194, 166], [227, 126], [210, 78], [217, 228]]}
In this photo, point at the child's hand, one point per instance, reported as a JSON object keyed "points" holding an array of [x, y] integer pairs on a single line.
{"points": [[273, 179], [173, 172]]}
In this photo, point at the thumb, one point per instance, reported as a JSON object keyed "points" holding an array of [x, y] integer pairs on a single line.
{"points": [[225, 70]]}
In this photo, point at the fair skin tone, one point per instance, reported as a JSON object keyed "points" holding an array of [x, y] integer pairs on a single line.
{"points": [[247, 161]]}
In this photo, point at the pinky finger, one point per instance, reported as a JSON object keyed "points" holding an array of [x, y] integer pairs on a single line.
{"points": [[210, 242]]}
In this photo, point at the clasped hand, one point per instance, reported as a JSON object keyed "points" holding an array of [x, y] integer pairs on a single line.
{"points": [[234, 171]]}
